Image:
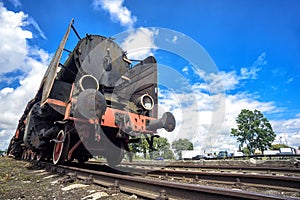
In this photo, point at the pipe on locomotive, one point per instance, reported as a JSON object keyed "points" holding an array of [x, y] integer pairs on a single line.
{"points": [[88, 82], [90, 103], [145, 101], [167, 121]]}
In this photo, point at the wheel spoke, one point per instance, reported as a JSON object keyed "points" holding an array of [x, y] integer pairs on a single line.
{"points": [[60, 150]]}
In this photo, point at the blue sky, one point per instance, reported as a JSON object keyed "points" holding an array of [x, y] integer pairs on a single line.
{"points": [[255, 46]]}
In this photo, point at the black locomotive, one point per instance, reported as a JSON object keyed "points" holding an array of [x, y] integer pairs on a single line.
{"points": [[96, 103]]}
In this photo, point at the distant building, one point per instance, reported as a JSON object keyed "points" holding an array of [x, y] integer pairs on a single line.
{"points": [[189, 154], [271, 152]]}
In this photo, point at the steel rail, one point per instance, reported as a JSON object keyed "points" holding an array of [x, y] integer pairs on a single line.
{"points": [[286, 181], [268, 169], [258, 169], [147, 188], [259, 179]]}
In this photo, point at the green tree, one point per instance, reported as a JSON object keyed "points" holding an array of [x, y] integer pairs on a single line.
{"points": [[140, 147], [278, 146], [161, 145], [246, 151], [181, 145], [254, 130], [163, 148]]}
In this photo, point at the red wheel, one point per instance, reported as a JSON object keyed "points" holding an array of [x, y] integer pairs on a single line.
{"points": [[61, 147]]}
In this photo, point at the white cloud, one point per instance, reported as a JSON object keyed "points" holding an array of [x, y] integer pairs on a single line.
{"points": [[207, 119], [117, 11], [185, 69], [217, 83], [222, 81], [16, 99], [9, 79], [199, 117], [175, 38], [18, 55], [226, 81], [31, 21], [140, 43], [288, 130], [13, 47], [2, 133], [6, 91], [4, 140], [251, 72], [234, 103], [261, 60], [290, 125]]}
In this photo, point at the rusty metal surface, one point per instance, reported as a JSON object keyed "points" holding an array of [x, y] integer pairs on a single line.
{"points": [[219, 167], [259, 179], [271, 179], [146, 188], [50, 74]]}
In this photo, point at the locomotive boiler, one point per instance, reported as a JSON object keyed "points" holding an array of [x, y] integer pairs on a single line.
{"points": [[95, 103]]}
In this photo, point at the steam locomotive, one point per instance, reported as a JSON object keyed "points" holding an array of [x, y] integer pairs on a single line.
{"points": [[96, 103]]}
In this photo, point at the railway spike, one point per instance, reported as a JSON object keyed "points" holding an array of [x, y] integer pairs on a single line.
{"points": [[115, 188], [89, 180], [196, 179], [145, 174], [238, 183], [162, 195]]}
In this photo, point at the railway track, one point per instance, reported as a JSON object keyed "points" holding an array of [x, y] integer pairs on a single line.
{"points": [[283, 170], [290, 182], [201, 167], [284, 177], [237, 179], [155, 188]]}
